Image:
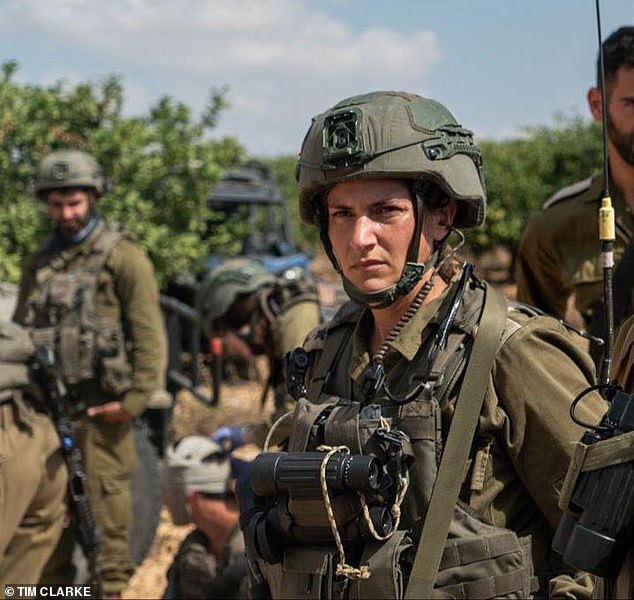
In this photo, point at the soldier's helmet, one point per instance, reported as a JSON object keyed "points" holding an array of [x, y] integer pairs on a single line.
{"points": [[391, 135], [195, 463], [224, 285], [69, 169]]}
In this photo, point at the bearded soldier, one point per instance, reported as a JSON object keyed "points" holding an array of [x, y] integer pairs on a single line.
{"points": [[433, 433], [559, 253], [90, 294]]}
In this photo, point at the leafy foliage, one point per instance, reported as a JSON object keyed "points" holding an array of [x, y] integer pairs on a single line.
{"points": [[162, 166], [522, 173]]}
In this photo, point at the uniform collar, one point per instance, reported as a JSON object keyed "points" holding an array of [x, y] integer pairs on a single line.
{"points": [[595, 194], [407, 342]]}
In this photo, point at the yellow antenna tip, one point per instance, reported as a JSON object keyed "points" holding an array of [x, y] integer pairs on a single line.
{"points": [[607, 228]]}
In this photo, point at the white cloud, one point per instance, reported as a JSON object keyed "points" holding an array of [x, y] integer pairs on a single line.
{"points": [[284, 60]]}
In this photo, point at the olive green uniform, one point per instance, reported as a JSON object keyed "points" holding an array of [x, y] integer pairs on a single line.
{"points": [[524, 437], [559, 253], [623, 365], [196, 573], [32, 474], [126, 292]]}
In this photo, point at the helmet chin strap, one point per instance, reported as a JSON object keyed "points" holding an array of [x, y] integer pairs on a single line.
{"points": [[412, 273]]}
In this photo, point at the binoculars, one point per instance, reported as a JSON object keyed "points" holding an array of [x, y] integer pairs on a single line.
{"points": [[282, 503]]}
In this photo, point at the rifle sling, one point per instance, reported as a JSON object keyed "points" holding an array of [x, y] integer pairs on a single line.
{"points": [[452, 466]]}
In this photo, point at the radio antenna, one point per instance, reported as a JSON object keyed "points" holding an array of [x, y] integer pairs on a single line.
{"points": [[606, 226]]}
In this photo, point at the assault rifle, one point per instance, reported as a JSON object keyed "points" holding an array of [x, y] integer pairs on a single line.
{"points": [[55, 399]]}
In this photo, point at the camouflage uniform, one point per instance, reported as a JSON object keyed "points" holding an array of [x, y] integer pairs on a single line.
{"points": [[196, 573], [559, 253], [32, 473], [127, 293]]}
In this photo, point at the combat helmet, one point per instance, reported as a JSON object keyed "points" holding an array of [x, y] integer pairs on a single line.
{"points": [[224, 284], [194, 463], [69, 169], [391, 135]]}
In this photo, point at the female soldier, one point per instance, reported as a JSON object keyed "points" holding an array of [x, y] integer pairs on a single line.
{"points": [[460, 399]]}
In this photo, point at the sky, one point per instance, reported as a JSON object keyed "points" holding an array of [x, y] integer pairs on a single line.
{"points": [[498, 65]]}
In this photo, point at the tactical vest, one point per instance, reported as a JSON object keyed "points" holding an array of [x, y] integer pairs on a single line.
{"points": [[284, 295], [61, 314], [479, 559], [275, 301]]}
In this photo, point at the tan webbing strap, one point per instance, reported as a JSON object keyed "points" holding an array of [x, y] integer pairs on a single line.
{"points": [[452, 465], [470, 551], [494, 586]]}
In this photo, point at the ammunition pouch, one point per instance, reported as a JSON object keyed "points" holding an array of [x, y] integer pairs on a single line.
{"points": [[483, 561], [62, 317]]}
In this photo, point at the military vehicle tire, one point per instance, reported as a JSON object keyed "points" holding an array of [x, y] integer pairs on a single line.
{"points": [[146, 500]]}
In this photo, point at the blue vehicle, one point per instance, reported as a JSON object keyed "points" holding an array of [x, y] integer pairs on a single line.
{"points": [[251, 207], [249, 195]]}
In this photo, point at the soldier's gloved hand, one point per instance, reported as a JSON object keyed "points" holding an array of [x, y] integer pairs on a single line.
{"points": [[229, 438], [111, 412]]}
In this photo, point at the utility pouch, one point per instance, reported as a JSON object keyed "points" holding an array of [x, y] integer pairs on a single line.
{"points": [[115, 372], [306, 573], [76, 353], [389, 564], [483, 561], [44, 336], [63, 290]]}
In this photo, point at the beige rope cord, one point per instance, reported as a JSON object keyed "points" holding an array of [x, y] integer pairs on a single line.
{"points": [[403, 484], [275, 425], [347, 571]]}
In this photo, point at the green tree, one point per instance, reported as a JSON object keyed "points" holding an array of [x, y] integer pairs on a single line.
{"points": [[522, 173], [162, 166], [283, 171]]}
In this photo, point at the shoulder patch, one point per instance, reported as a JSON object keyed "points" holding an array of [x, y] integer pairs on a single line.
{"points": [[348, 313], [315, 339], [568, 192]]}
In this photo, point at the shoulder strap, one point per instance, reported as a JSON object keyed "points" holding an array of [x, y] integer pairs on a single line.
{"points": [[452, 465], [102, 248], [568, 192]]}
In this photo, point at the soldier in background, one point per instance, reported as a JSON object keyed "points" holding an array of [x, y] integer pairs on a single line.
{"points": [[91, 296], [274, 314], [559, 253], [198, 486], [623, 365], [33, 476]]}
